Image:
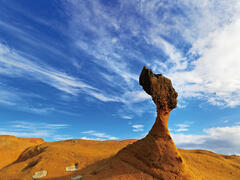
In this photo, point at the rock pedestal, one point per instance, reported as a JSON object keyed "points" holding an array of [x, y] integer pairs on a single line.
{"points": [[156, 154]]}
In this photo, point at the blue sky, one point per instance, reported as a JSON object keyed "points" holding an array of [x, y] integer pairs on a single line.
{"points": [[69, 69]]}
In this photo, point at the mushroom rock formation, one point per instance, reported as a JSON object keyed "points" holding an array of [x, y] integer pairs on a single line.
{"points": [[163, 95], [156, 154]]}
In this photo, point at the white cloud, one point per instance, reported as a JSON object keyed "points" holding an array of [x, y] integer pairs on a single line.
{"points": [[33, 129], [38, 134], [62, 137], [225, 121], [34, 126], [41, 110], [103, 97], [86, 138], [215, 76], [135, 96], [127, 117], [137, 127], [182, 127], [181, 139], [175, 57], [93, 138], [30, 129], [8, 97], [98, 135], [220, 139]]}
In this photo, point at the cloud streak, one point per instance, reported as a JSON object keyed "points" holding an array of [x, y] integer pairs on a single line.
{"points": [[16, 65], [137, 127], [32, 129], [182, 127], [98, 135]]}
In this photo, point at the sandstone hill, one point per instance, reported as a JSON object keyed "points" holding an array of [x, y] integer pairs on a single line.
{"points": [[93, 156], [153, 157], [11, 147]]}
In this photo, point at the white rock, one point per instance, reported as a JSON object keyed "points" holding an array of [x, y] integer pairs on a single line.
{"points": [[71, 168], [39, 174], [76, 177]]}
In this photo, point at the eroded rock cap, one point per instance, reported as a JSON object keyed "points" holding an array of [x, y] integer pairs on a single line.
{"points": [[160, 88]]}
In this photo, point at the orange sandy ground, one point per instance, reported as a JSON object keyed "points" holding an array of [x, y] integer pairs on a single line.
{"points": [[92, 156], [11, 147]]}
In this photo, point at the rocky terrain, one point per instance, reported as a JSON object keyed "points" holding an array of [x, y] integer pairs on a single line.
{"points": [[153, 157], [93, 156]]}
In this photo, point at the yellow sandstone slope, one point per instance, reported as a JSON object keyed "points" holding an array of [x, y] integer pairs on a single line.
{"points": [[11, 147], [91, 157]]}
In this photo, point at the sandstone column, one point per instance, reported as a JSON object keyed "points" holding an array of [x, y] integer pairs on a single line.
{"points": [[156, 154]]}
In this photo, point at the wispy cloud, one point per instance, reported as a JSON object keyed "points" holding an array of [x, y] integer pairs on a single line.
{"points": [[107, 49], [182, 127], [18, 99], [98, 135], [32, 38], [16, 65], [61, 137], [32, 129], [34, 126], [135, 96], [7, 97], [127, 117], [39, 134], [137, 127]]}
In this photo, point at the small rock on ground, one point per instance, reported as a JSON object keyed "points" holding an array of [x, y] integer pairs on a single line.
{"points": [[39, 174]]}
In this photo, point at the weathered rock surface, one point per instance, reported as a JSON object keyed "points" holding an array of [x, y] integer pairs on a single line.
{"points": [[160, 88]]}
